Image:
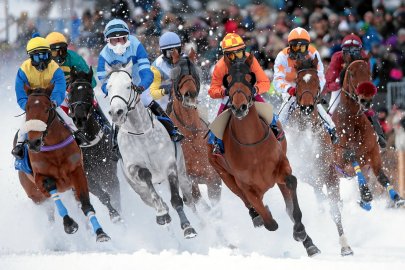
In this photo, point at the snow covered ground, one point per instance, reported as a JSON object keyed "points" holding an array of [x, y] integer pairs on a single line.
{"points": [[29, 241]]}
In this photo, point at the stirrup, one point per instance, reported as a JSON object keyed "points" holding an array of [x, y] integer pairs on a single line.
{"points": [[176, 136], [333, 136], [216, 150]]}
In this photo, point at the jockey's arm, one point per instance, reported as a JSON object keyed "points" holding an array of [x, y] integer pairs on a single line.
{"points": [[59, 88], [262, 81], [102, 73], [145, 73], [321, 70], [280, 65], [333, 74], [155, 90], [20, 81], [217, 90]]}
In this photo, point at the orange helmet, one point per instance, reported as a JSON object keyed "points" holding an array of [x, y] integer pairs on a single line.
{"points": [[299, 34], [232, 42]]}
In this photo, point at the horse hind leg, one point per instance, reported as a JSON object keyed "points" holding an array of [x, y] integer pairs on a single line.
{"points": [[384, 181], [294, 211], [177, 203], [69, 224]]}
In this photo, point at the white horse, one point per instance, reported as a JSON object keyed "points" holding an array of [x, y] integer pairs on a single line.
{"points": [[148, 154]]}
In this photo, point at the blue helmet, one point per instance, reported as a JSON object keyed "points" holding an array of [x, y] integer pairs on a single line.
{"points": [[116, 28], [169, 40]]}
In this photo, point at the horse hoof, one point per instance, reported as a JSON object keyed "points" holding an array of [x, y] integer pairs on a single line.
{"points": [[300, 236], [70, 225], [346, 251], [273, 226], [258, 221], [189, 232], [313, 251], [162, 220], [116, 218], [399, 202], [102, 236], [365, 205]]}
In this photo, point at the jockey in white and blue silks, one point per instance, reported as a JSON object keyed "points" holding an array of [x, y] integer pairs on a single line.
{"points": [[123, 49]]}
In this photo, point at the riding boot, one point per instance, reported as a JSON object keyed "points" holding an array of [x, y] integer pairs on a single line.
{"points": [[116, 155], [218, 148], [277, 130], [330, 126], [102, 119], [174, 133], [80, 138], [382, 141], [18, 151]]}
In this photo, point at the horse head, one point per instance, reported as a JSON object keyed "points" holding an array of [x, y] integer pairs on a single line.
{"points": [[120, 91], [186, 79], [307, 84], [357, 83], [239, 84], [40, 113], [80, 97]]}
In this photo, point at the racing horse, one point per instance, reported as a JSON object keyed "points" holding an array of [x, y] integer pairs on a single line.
{"points": [[184, 112], [56, 161], [99, 165], [358, 149], [148, 155], [254, 161], [317, 146]]}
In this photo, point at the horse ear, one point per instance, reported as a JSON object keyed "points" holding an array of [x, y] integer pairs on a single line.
{"points": [[367, 57], [315, 62], [175, 57], [227, 80], [249, 59], [49, 89], [90, 74], [128, 67], [73, 74], [27, 89], [108, 68], [192, 55]]}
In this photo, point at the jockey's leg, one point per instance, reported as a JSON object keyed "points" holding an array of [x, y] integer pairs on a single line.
{"points": [[79, 136], [287, 108], [101, 118], [334, 101], [382, 141], [18, 150], [277, 128], [330, 126], [173, 131], [259, 98]]}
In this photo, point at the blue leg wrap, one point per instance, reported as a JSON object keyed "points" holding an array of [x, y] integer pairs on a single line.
{"points": [[274, 121], [393, 194], [93, 220], [360, 177], [59, 205]]}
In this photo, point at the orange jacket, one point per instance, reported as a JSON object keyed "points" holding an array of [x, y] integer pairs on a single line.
{"points": [[217, 90]]}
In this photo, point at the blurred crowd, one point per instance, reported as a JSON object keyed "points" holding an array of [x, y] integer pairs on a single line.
{"points": [[264, 25]]}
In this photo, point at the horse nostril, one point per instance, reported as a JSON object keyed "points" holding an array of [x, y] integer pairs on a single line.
{"points": [[110, 113], [120, 111], [243, 107]]}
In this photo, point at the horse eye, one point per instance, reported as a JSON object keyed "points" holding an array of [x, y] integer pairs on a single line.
{"points": [[128, 87]]}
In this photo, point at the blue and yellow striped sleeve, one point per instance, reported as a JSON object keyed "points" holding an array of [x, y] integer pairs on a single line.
{"points": [[59, 88], [21, 96]]}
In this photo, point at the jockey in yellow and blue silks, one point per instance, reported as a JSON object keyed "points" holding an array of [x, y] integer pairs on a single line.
{"points": [[39, 71], [121, 49]]}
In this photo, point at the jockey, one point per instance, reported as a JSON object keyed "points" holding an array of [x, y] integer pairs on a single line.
{"points": [[351, 51], [66, 59], [234, 48], [39, 71], [121, 49], [285, 75]]}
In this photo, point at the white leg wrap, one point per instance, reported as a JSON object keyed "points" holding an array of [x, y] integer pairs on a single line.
{"points": [[343, 241], [286, 109], [66, 118], [334, 101], [325, 116]]}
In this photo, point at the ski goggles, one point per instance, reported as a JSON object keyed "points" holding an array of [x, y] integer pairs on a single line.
{"points": [[351, 50], [40, 57], [351, 42], [115, 40], [299, 47], [235, 54], [56, 52]]}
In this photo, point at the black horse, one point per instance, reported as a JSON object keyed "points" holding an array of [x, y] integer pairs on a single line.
{"points": [[99, 164]]}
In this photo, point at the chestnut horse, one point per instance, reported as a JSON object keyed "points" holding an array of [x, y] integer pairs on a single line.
{"points": [[56, 161], [358, 146], [184, 112], [318, 148], [100, 167], [254, 161]]}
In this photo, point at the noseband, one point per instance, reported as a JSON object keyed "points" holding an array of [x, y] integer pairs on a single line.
{"points": [[72, 106], [131, 99]]}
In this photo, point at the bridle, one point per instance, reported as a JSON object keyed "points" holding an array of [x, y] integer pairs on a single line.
{"points": [[73, 105], [315, 97], [134, 97], [179, 82]]}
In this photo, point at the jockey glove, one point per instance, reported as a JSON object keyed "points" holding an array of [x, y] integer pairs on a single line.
{"points": [[166, 89], [291, 91], [138, 89]]}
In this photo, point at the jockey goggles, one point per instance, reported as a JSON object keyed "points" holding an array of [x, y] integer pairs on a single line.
{"points": [[232, 55], [299, 47], [351, 50], [38, 57], [115, 40]]}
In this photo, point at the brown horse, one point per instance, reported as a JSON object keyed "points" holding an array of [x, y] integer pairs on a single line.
{"points": [[358, 148], [254, 161], [56, 161], [185, 115], [319, 148]]}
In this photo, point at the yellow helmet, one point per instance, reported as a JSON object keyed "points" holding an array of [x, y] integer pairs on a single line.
{"points": [[299, 34], [55, 37], [36, 44], [232, 42]]}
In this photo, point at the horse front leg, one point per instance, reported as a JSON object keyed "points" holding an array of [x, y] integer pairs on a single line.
{"points": [[80, 187], [177, 204], [289, 192], [333, 189]]}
